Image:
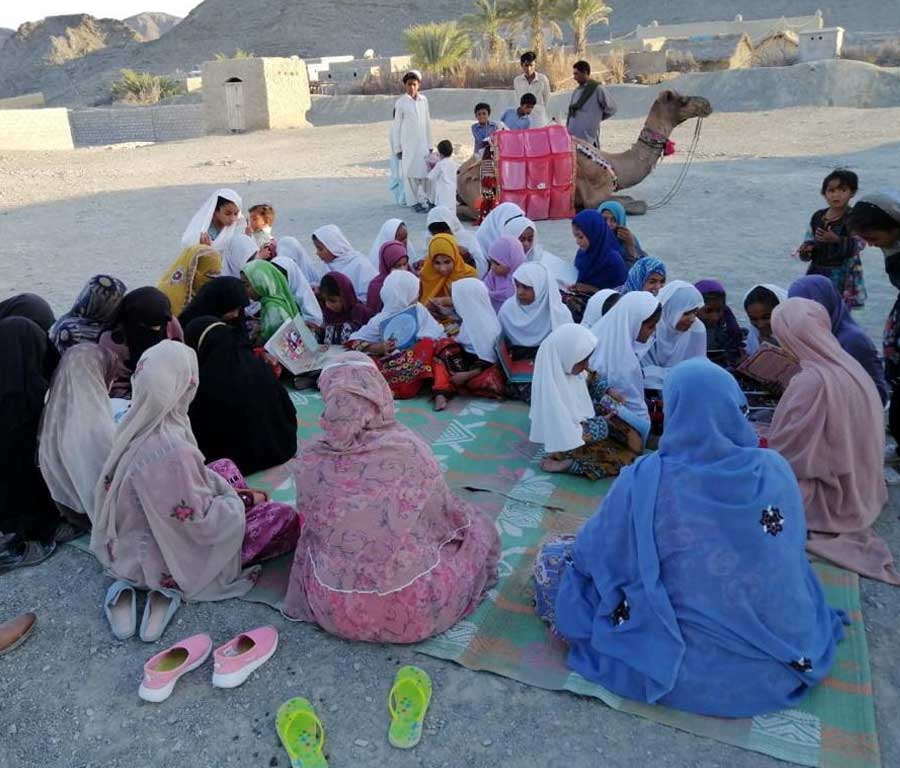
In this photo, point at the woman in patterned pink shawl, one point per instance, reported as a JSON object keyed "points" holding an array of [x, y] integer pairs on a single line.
{"points": [[829, 425], [387, 553]]}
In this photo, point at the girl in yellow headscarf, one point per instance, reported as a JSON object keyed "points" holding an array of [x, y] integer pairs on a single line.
{"points": [[443, 266], [194, 268]]}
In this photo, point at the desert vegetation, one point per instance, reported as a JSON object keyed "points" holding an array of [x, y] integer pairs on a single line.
{"points": [[144, 88]]}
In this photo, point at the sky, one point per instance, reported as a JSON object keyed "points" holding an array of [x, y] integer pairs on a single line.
{"points": [[13, 13]]}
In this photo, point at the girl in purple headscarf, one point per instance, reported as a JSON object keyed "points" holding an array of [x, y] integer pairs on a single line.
{"points": [[724, 337], [506, 256]]}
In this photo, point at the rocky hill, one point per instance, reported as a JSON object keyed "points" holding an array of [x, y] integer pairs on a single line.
{"points": [[4, 34], [152, 26], [321, 27]]}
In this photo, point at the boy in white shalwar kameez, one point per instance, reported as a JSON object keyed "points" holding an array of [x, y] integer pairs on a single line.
{"points": [[411, 141], [443, 177]]}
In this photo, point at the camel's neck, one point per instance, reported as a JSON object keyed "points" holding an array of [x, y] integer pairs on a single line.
{"points": [[636, 164]]}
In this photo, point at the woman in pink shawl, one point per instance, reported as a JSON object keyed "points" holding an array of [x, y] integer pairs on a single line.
{"points": [[830, 426], [506, 256], [163, 520], [387, 553], [392, 255]]}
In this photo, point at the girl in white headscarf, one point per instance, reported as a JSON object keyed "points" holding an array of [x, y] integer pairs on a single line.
{"points": [[466, 364], [312, 267], [571, 414], [680, 335], [535, 311], [392, 229], [623, 336], [217, 221], [340, 256], [598, 305], [405, 370], [491, 229], [236, 253], [306, 300], [527, 318], [78, 428], [759, 303], [442, 220], [525, 230]]}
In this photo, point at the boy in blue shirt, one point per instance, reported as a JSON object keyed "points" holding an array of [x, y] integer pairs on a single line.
{"points": [[519, 119], [484, 128]]}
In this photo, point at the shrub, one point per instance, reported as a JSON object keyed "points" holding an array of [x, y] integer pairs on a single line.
{"points": [[438, 47], [144, 88], [239, 53]]}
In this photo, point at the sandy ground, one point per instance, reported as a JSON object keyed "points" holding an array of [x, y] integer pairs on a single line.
{"points": [[68, 698]]}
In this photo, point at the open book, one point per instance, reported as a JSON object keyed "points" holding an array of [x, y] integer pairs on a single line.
{"points": [[770, 365], [294, 346], [402, 328]]}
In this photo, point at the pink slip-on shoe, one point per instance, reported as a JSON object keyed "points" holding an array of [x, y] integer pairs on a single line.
{"points": [[165, 669], [242, 656]]}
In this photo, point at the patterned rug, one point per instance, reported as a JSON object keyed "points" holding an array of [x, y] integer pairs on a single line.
{"points": [[483, 448]]}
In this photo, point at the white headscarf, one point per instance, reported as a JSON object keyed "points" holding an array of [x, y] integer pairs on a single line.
{"points": [[78, 427], [300, 287], [480, 327], [528, 326], [562, 271], [464, 238], [400, 291], [752, 342], [387, 233], [593, 310], [202, 220], [347, 260], [560, 402], [671, 346], [312, 267], [616, 357], [888, 200], [491, 229], [237, 252]]}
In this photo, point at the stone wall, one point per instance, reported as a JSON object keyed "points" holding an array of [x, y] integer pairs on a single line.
{"points": [[34, 129], [117, 125]]}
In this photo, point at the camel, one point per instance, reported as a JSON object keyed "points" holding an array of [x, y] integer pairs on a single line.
{"points": [[594, 181]]}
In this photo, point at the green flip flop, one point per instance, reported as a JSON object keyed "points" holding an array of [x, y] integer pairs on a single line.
{"points": [[301, 734], [408, 702]]}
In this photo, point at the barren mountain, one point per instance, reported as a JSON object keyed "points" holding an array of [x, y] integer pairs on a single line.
{"points": [[321, 27], [4, 34], [152, 26]]}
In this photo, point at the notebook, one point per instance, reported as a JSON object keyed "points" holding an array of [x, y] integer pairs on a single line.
{"points": [[516, 371], [770, 365], [403, 328], [295, 346]]}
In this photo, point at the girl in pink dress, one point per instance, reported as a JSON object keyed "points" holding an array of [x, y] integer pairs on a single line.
{"points": [[387, 553]]}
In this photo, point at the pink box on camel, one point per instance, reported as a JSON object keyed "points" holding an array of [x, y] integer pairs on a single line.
{"points": [[536, 171]]}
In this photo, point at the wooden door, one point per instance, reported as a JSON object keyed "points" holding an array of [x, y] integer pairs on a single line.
{"points": [[234, 105]]}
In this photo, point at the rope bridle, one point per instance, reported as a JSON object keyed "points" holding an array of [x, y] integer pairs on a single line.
{"points": [[679, 182]]}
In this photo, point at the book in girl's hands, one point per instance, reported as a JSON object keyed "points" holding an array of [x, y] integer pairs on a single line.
{"points": [[295, 346], [517, 371], [402, 328], [770, 365]]}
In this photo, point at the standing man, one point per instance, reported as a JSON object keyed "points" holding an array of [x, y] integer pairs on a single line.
{"points": [[411, 141], [532, 81], [590, 106]]}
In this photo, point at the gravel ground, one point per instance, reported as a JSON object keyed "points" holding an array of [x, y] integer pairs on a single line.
{"points": [[69, 696]]}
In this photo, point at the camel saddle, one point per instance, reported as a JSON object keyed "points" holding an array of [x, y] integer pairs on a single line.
{"points": [[536, 170]]}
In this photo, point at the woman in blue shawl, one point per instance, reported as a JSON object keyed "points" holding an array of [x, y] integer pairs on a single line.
{"points": [[599, 261], [690, 586], [647, 274], [852, 338], [617, 220]]}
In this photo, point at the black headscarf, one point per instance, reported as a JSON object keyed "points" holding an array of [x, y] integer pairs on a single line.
{"points": [[143, 316], [25, 505], [217, 297], [28, 305], [241, 412]]}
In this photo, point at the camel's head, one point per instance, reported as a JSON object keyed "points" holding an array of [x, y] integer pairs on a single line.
{"points": [[674, 108]]}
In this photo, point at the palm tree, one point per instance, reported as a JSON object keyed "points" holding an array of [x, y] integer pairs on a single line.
{"points": [[534, 16], [439, 47], [581, 15], [487, 23]]}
